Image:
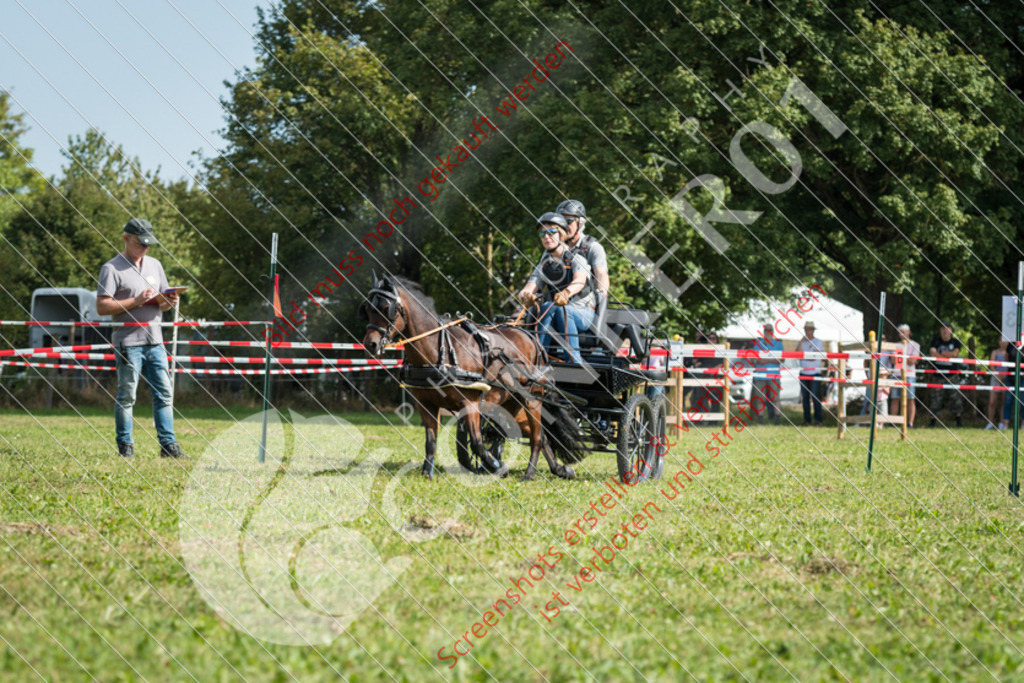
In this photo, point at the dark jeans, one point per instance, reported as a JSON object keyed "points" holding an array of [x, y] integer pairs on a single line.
{"points": [[955, 398], [808, 392], [774, 410]]}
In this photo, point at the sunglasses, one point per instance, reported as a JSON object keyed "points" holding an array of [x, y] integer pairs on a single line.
{"points": [[544, 233]]}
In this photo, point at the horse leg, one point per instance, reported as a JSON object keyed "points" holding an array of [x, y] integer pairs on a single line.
{"points": [[531, 422], [430, 423], [540, 442], [557, 468], [476, 442]]}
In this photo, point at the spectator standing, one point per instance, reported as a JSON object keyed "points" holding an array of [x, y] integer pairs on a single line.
{"points": [[911, 349], [946, 346], [707, 396], [1008, 403], [129, 289], [996, 398], [765, 367], [809, 369], [883, 391]]}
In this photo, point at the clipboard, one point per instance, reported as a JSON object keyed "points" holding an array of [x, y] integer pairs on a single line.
{"points": [[169, 290]]}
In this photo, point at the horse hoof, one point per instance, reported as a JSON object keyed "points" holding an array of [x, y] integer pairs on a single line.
{"points": [[526, 477], [427, 472], [502, 471], [567, 473]]}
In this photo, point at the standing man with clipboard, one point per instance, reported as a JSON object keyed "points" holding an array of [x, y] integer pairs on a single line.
{"points": [[133, 288]]}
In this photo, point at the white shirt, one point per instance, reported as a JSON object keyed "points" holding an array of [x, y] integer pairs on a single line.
{"points": [[809, 366]]}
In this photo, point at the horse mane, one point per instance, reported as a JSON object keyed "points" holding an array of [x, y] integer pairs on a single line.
{"points": [[414, 290]]}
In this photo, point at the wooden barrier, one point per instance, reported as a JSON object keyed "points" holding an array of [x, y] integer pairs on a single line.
{"points": [[679, 380], [842, 419]]}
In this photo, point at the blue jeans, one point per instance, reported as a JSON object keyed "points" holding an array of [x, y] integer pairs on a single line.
{"points": [[565, 320], [1008, 404], [151, 363]]}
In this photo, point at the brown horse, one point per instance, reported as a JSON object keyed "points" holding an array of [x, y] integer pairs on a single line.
{"points": [[448, 367]]}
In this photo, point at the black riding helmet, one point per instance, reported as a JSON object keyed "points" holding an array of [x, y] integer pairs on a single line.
{"points": [[573, 208], [556, 220]]}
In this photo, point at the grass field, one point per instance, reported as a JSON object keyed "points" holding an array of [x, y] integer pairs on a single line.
{"points": [[782, 558]]}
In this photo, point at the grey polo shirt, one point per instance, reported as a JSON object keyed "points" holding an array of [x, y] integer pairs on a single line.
{"points": [[120, 279]]}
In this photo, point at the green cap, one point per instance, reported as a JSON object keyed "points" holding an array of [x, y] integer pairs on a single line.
{"points": [[142, 229]]}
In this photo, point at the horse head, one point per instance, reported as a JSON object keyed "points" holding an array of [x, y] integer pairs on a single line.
{"points": [[384, 313]]}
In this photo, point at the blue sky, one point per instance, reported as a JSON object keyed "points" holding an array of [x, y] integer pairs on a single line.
{"points": [[147, 73]]}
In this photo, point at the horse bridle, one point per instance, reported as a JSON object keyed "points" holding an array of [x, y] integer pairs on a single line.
{"points": [[391, 312]]}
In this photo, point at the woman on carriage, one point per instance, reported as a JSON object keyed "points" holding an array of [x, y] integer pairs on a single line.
{"points": [[562, 279]]}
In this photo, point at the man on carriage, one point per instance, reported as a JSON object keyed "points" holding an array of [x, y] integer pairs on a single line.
{"points": [[562, 279], [575, 215]]}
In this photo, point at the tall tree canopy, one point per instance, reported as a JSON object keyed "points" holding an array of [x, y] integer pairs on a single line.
{"points": [[351, 105]]}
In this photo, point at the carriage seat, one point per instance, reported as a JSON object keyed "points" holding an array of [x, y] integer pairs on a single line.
{"points": [[611, 324]]}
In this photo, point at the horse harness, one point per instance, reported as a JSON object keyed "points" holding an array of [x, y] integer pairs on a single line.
{"points": [[446, 373], [391, 310]]}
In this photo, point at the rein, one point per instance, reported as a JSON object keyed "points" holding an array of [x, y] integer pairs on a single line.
{"points": [[425, 334]]}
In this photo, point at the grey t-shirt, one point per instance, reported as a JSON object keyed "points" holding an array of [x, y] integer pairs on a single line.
{"points": [[578, 264], [596, 256], [120, 279]]}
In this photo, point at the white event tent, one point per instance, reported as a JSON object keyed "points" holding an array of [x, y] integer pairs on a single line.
{"points": [[833, 321]]}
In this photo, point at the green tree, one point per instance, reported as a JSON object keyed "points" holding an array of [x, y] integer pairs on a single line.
{"points": [[63, 234], [349, 102], [308, 157], [18, 180]]}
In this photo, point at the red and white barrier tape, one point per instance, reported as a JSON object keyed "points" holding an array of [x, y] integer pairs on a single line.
{"points": [[242, 344], [962, 361], [56, 366], [283, 345], [229, 359], [103, 323], [284, 371], [205, 371], [52, 349], [752, 356], [930, 371]]}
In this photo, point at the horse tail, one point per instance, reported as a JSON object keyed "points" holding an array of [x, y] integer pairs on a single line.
{"points": [[561, 428]]}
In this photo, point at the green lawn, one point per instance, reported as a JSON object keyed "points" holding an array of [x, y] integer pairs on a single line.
{"points": [[782, 557]]}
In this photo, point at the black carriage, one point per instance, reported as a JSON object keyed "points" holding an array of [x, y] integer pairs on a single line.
{"points": [[613, 416]]}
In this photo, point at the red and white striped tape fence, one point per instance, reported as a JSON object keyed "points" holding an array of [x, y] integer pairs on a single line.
{"points": [[280, 345], [104, 323], [887, 382], [206, 371], [227, 359], [753, 357]]}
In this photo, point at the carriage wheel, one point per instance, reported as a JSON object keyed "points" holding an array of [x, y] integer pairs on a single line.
{"points": [[493, 437], [635, 454], [660, 408]]}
